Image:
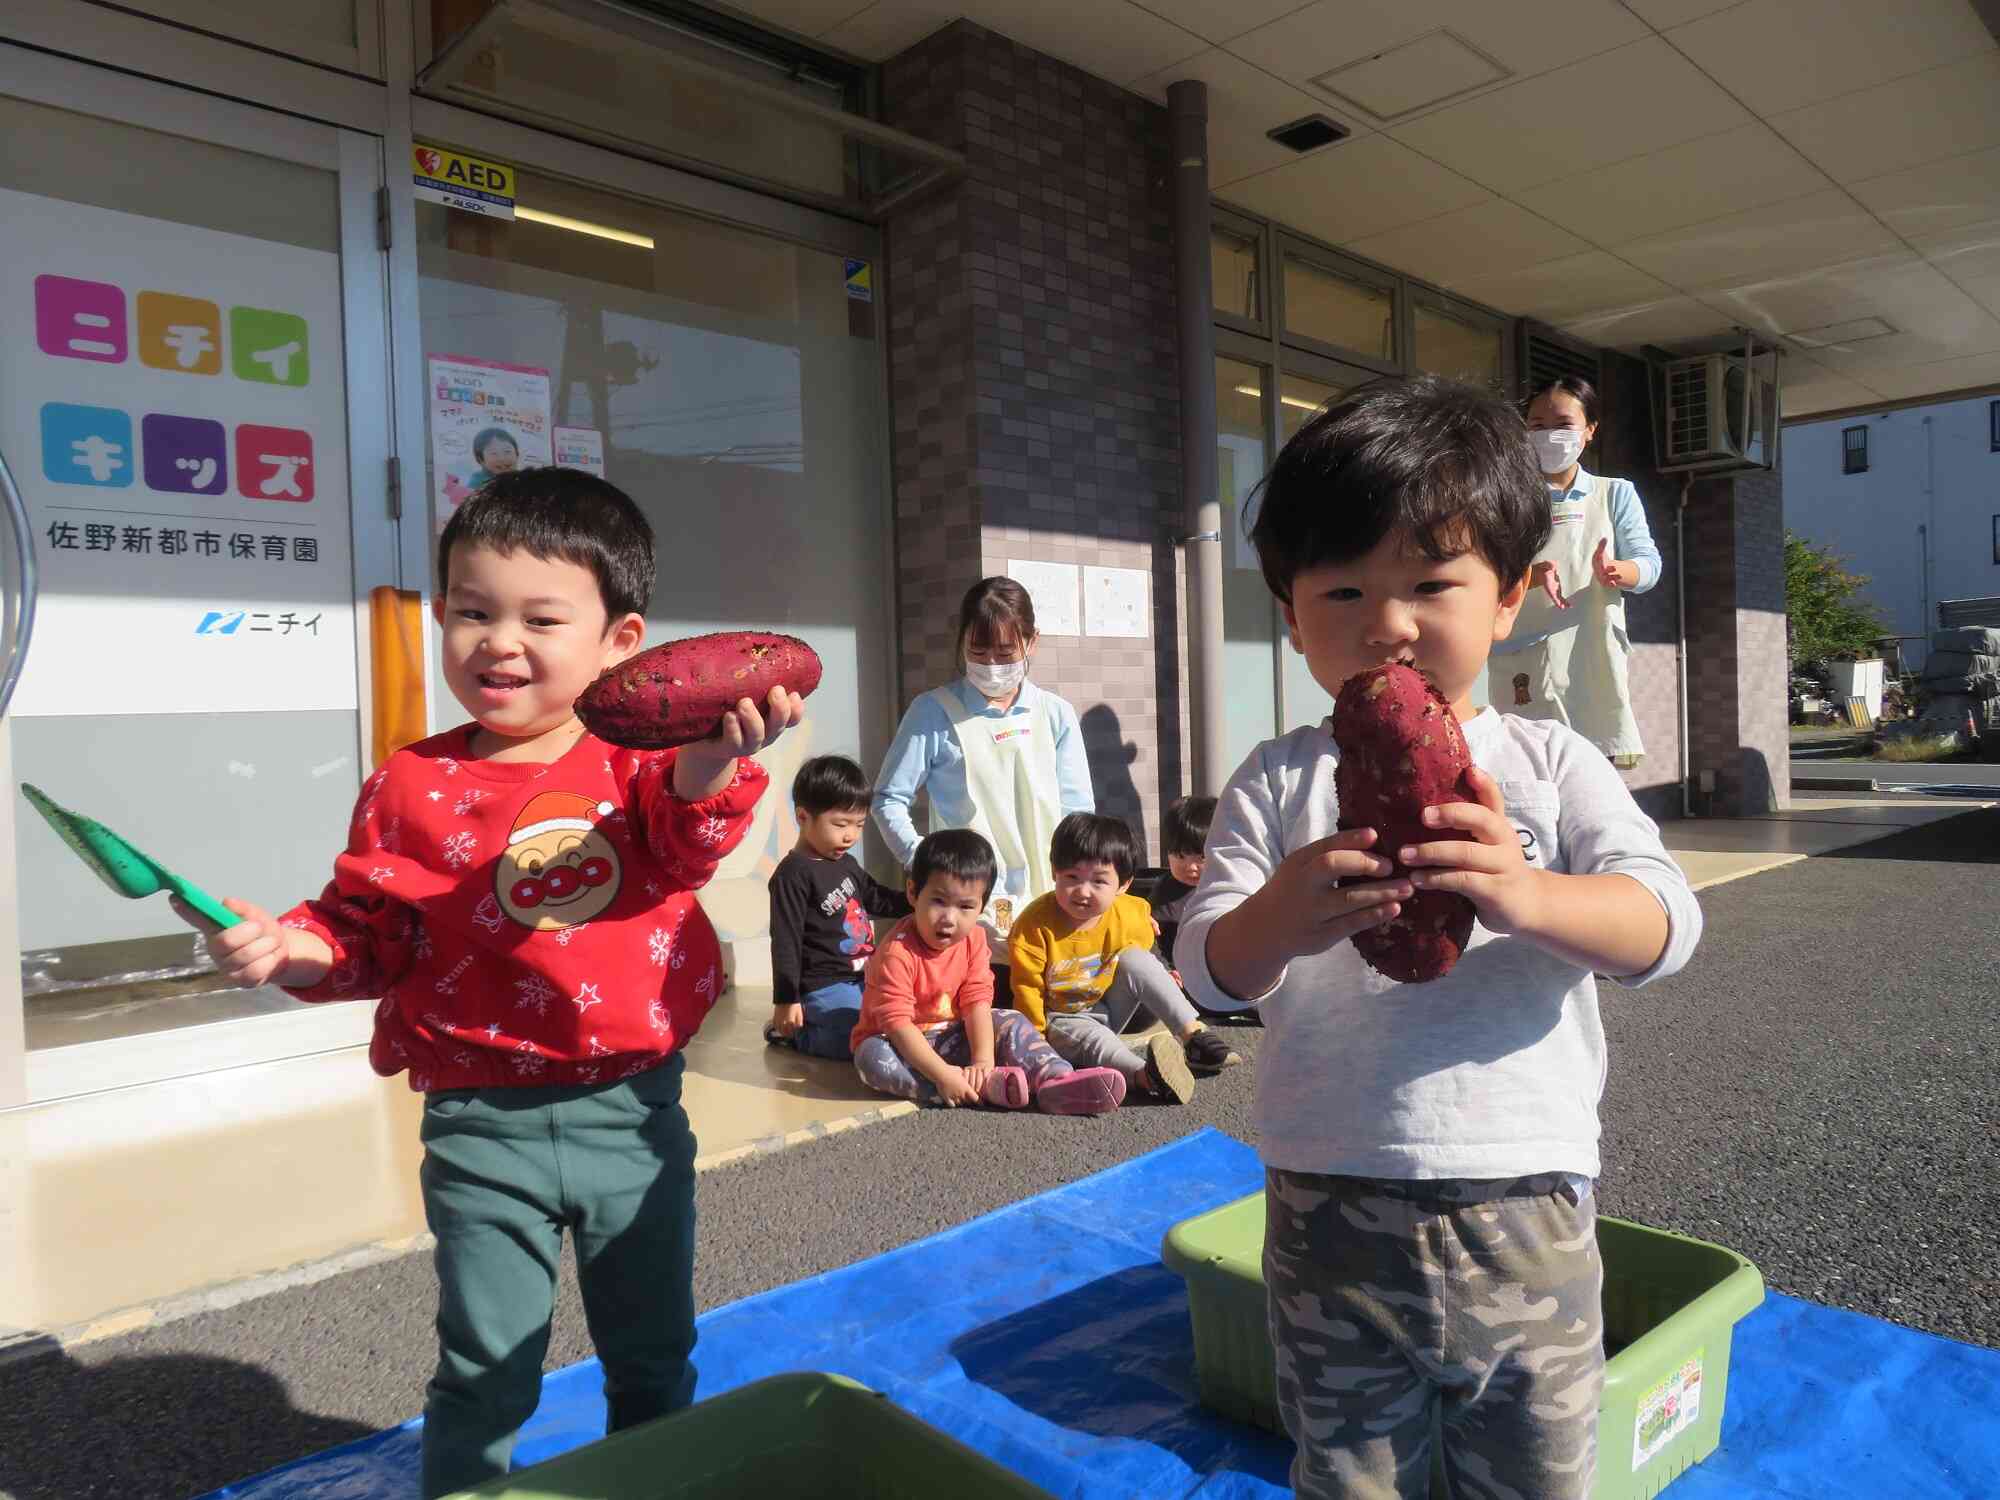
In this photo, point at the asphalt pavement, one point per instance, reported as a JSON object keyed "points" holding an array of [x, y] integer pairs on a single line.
{"points": [[1815, 1091]]}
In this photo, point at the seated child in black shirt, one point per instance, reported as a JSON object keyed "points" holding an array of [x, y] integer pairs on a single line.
{"points": [[1185, 836], [821, 905]]}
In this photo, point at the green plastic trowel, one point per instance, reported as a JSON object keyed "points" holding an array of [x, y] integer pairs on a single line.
{"points": [[125, 869]]}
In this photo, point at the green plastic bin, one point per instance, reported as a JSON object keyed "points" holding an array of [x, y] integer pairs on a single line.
{"points": [[809, 1436], [1670, 1306]]}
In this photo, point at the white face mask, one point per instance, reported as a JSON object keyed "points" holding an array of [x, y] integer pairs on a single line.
{"points": [[1556, 448], [996, 682]]}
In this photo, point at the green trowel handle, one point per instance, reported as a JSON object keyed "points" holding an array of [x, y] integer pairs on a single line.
{"points": [[198, 900]]}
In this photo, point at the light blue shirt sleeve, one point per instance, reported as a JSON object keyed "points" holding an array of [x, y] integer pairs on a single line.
{"points": [[1632, 537], [905, 769]]}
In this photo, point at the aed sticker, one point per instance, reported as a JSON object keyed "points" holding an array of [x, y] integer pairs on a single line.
{"points": [[860, 281], [1667, 1410], [463, 182]]}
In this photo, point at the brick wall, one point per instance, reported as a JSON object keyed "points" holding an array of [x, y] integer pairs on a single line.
{"points": [[1736, 661], [1033, 369], [1764, 734]]}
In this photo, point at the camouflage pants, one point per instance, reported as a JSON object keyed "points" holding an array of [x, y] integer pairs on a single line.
{"points": [[1403, 1311]]}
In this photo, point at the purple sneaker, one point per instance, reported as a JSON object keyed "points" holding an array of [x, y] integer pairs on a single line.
{"points": [[1087, 1091]]}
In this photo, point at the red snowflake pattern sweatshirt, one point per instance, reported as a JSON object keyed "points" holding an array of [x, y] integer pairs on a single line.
{"points": [[527, 924]]}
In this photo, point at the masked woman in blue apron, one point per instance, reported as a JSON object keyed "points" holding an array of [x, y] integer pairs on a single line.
{"points": [[1566, 658], [996, 754]]}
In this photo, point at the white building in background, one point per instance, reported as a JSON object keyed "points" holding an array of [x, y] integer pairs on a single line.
{"points": [[1909, 498]]}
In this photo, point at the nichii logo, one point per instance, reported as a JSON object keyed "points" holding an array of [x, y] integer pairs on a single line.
{"points": [[221, 622]]}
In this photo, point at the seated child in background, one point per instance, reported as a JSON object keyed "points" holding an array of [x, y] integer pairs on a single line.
{"points": [[1083, 966], [1185, 836], [821, 903], [928, 1030]]}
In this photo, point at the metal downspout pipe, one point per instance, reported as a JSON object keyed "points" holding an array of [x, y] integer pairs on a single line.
{"points": [[1187, 110], [1681, 643]]}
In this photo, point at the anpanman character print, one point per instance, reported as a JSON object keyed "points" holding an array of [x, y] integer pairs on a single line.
{"points": [[559, 870]]}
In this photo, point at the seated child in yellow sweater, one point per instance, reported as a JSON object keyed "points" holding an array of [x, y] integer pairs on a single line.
{"points": [[1083, 966], [928, 1031]]}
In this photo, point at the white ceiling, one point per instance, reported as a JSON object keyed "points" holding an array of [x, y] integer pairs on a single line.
{"points": [[1647, 171]]}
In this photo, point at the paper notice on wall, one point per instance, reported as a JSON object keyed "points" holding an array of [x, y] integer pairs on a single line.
{"points": [[1053, 589], [580, 448], [1115, 602], [486, 419]]}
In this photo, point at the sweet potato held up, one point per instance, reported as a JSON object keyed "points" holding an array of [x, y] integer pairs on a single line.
{"points": [[677, 693], [1401, 751]]}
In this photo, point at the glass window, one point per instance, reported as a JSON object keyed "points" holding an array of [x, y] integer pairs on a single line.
{"points": [[732, 383], [1458, 346], [1299, 398], [336, 32], [1304, 701], [1330, 308], [1249, 688], [178, 428], [1854, 450], [645, 84], [1233, 269]]}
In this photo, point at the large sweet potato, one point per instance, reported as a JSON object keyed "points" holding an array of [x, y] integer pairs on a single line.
{"points": [[1401, 751], [677, 693]]}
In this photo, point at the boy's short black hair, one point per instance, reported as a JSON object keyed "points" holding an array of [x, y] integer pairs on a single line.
{"points": [[958, 853], [560, 513], [1448, 463], [1185, 830], [830, 783], [1094, 838]]}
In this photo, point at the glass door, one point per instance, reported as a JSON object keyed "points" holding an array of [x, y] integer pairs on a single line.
{"points": [[180, 406], [1250, 623], [731, 381], [1300, 699]]}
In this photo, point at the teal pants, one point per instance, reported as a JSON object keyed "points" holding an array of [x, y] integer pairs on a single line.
{"points": [[505, 1172]]}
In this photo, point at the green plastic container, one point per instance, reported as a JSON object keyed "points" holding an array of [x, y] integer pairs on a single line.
{"points": [[1670, 1306], [806, 1437]]}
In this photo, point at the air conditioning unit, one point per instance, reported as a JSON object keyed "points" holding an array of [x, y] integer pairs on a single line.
{"points": [[1705, 418]]}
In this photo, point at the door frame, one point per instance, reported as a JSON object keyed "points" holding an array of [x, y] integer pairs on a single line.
{"points": [[356, 159]]}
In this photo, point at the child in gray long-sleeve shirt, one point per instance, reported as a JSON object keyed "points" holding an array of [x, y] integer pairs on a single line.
{"points": [[1429, 1148]]}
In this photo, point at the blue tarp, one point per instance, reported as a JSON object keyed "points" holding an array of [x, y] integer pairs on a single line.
{"points": [[1049, 1336]]}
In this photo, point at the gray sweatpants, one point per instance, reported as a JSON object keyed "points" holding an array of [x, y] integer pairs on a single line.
{"points": [[1475, 1306], [1091, 1038]]}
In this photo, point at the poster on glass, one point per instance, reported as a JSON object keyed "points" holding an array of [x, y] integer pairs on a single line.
{"points": [[487, 418]]}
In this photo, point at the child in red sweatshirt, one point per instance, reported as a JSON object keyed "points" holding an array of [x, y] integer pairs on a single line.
{"points": [[928, 1030], [520, 895]]}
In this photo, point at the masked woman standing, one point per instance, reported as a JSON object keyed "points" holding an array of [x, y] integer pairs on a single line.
{"points": [[1567, 656], [995, 753]]}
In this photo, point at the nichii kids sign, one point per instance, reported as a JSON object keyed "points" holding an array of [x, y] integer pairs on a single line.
{"points": [[175, 404]]}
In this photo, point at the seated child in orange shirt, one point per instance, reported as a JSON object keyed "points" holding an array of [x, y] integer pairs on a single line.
{"points": [[928, 1030]]}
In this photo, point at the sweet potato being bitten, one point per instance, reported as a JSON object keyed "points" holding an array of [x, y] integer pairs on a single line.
{"points": [[1401, 751], [676, 694]]}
